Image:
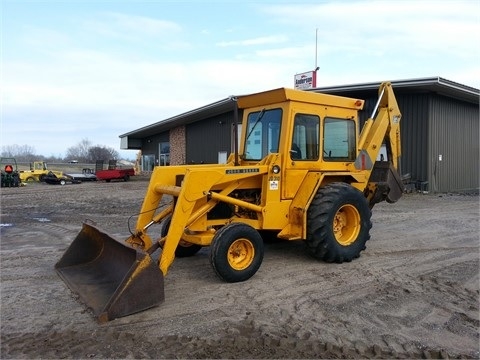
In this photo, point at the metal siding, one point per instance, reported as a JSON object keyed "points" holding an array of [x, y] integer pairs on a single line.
{"points": [[432, 125], [150, 143], [414, 132], [454, 136], [207, 137], [435, 125], [154, 139]]}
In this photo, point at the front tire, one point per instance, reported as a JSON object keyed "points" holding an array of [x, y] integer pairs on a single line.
{"points": [[338, 223], [184, 249], [236, 252]]}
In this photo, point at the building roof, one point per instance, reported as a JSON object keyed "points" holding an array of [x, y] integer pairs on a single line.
{"points": [[437, 85], [207, 111]]}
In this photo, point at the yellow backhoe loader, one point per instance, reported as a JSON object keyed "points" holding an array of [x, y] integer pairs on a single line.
{"points": [[302, 169], [38, 172]]}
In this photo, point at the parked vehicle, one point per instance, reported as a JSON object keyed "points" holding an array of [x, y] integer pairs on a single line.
{"points": [[52, 179], [38, 171], [86, 175], [113, 172], [9, 173]]}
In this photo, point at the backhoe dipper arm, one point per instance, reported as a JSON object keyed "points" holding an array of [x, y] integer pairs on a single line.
{"points": [[384, 127]]}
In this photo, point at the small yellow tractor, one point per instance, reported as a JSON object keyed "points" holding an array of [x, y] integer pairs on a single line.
{"points": [[38, 172], [302, 170]]}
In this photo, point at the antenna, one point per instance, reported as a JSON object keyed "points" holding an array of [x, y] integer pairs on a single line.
{"points": [[316, 65]]}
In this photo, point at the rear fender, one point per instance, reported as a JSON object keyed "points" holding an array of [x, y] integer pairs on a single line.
{"points": [[296, 228]]}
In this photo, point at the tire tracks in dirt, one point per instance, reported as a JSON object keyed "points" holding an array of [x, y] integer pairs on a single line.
{"points": [[413, 293]]}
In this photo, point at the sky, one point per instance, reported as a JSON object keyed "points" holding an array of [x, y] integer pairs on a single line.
{"points": [[73, 70]]}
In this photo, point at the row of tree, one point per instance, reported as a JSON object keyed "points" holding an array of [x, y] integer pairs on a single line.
{"points": [[83, 152]]}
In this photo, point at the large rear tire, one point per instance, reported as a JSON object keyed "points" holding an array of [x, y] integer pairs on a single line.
{"points": [[236, 252], [184, 249], [338, 223]]}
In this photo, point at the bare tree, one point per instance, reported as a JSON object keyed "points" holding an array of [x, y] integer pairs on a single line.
{"points": [[22, 153], [79, 152], [83, 152], [99, 152]]}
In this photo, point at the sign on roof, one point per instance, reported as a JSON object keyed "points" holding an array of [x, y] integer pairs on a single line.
{"points": [[306, 80]]}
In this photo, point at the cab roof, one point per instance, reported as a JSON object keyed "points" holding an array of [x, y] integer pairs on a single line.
{"points": [[285, 94]]}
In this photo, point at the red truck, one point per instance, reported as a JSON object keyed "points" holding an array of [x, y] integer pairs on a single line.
{"points": [[113, 172]]}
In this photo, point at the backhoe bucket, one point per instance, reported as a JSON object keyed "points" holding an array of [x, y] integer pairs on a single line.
{"points": [[111, 277]]}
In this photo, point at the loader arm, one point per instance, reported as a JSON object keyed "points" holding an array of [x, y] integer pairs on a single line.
{"points": [[193, 199]]}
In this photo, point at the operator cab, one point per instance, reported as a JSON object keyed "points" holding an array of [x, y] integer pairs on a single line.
{"points": [[309, 126]]}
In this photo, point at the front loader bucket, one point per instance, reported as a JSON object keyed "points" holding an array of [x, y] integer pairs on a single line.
{"points": [[111, 277]]}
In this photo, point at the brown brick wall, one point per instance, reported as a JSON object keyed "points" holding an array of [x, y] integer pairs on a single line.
{"points": [[177, 146]]}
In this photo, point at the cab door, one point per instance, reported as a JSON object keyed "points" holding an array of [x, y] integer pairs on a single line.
{"points": [[303, 152]]}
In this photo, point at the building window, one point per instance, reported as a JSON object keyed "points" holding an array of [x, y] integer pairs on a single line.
{"points": [[164, 151], [222, 157], [239, 136], [148, 162]]}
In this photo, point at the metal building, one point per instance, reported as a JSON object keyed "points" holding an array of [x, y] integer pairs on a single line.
{"points": [[440, 132]]}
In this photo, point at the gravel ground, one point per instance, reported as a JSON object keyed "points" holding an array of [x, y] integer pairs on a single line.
{"points": [[414, 292]]}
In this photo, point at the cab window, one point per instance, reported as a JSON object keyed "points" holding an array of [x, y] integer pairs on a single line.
{"points": [[339, 140], [305, 144], [263, 133]]}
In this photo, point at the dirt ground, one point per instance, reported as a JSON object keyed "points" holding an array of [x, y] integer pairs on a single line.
{"points": [[414, 292]]}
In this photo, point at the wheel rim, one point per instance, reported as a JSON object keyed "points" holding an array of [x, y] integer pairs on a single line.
{"points": [[346, 224], [241, 254]]}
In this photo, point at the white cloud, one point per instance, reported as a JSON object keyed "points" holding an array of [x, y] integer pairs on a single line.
{"points": [[43, 39], [265, 40], [112, 72], [422, 29], [131, 26], [95, 79]]}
